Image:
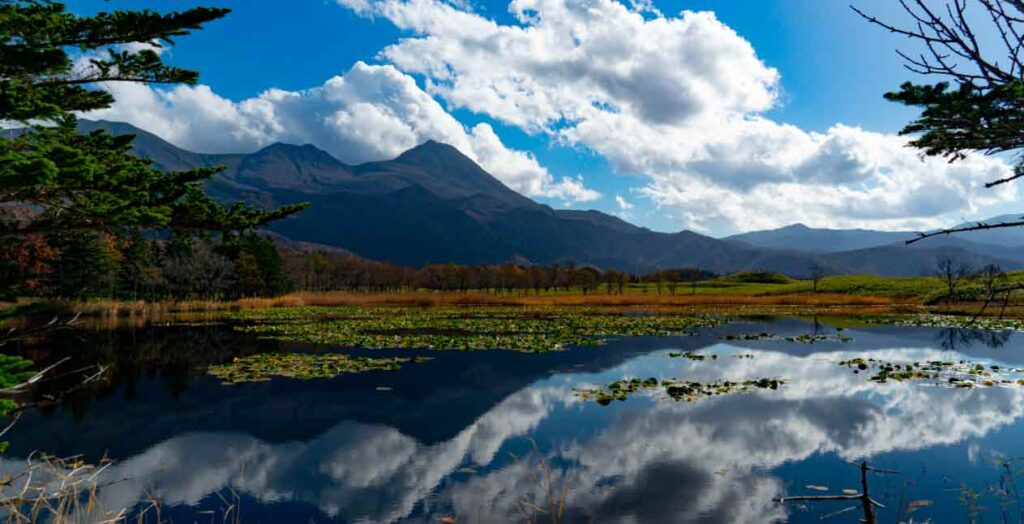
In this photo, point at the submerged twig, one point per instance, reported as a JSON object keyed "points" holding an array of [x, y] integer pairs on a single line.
{"points": [[867, 503]]}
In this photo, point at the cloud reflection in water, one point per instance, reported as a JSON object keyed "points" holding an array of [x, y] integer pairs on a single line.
{"points": [[650, 460]]}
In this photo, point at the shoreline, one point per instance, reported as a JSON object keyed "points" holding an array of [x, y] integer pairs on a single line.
{"points": [[803, 304]]}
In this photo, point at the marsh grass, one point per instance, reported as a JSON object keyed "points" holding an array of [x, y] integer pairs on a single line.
{"points": [[550, 506], [435, 299], [69, 491], [844, 294], [63, 491], [636, 295]]}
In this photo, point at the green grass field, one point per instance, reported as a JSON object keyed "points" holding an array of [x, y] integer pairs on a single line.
{"points": [[891, 287]]}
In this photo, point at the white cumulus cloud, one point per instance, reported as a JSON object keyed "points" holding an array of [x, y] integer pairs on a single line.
{"points": [[372, 112], [681, 99], [521, 171]]}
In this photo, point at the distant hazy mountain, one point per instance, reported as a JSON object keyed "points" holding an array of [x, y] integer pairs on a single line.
{"points": [[1013, 237], [1002, 243], [433, 204], [799, 237]]}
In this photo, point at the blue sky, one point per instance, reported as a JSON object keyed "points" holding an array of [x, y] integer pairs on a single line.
{"points": [[832, 69]]}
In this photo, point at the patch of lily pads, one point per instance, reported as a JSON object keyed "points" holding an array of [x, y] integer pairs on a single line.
{"points": [[961, 374], [948, 321], [520, 329], [678, 390], [301, 366], [696, 357], [806, 338]]}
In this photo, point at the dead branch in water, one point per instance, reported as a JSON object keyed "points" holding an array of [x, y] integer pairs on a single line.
{"points": [[867, 503]]}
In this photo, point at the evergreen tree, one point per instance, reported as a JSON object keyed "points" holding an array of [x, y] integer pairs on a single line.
{"points": [[53, 179], [181, 244], [258, 265], [978, 106], [138, 276], [86, 266]]}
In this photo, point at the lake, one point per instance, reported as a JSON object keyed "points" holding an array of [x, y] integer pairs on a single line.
{"points": [[495, 436]]}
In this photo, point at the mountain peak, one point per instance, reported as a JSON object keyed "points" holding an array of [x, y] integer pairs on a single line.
{"points": [[799, 226], [443, 170], [295, 167], [434, 152], [304, 151]]}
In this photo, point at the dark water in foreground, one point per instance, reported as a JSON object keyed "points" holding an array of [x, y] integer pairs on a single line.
{"points": [[482, 435]]}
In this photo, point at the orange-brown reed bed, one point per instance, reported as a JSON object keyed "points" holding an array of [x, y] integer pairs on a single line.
{"points": [[111, 309], [423, 298], [795, 303], [789, 304]]}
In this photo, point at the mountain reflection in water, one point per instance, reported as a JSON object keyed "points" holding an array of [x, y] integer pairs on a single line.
{"points": [[469, 434]]}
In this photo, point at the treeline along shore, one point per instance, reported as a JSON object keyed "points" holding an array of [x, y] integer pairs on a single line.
{"points": [[103, 274]]}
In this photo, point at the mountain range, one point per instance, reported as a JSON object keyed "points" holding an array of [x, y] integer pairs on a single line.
{"points": [[1006, 242], [433, 204]]}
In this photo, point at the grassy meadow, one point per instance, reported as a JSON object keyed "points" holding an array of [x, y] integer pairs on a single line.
{"points": [[741, 294]]}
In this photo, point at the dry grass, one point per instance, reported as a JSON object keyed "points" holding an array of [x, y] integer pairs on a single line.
{"points": [[108, 313], [105, 314], [789, 304], [422, 298], [140, 309], [549, 508], [69, 491], [119, 308], [61, 491]]}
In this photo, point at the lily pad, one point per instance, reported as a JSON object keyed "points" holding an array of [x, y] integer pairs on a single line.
{"points": [[679, 390], [263, 367], [520, 329], [962, 374]]}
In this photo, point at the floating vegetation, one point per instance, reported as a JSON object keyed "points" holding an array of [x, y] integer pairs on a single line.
{"points": [[750, 336], [806, 338], [962, 374], [302, 366], [14, 370], [696, 357], [680, 390], [811, 339], [948, 321], [521, 329]]}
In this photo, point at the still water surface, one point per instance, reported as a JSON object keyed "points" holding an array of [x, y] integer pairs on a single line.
{"points": [[482, 435]]}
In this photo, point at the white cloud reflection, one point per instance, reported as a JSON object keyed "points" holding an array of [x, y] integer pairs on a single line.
{"points": [[672, 462]]}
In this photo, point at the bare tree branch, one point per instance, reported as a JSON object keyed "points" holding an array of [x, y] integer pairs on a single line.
{"points": [[55, 323], [948, 34], [977, 227]]}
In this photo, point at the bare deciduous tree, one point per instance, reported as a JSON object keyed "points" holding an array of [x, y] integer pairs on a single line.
{"points": [[203, 272], [992, 279], [984, 112], [952, 272], [952, 48], [672, 278], [816, 272]]}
